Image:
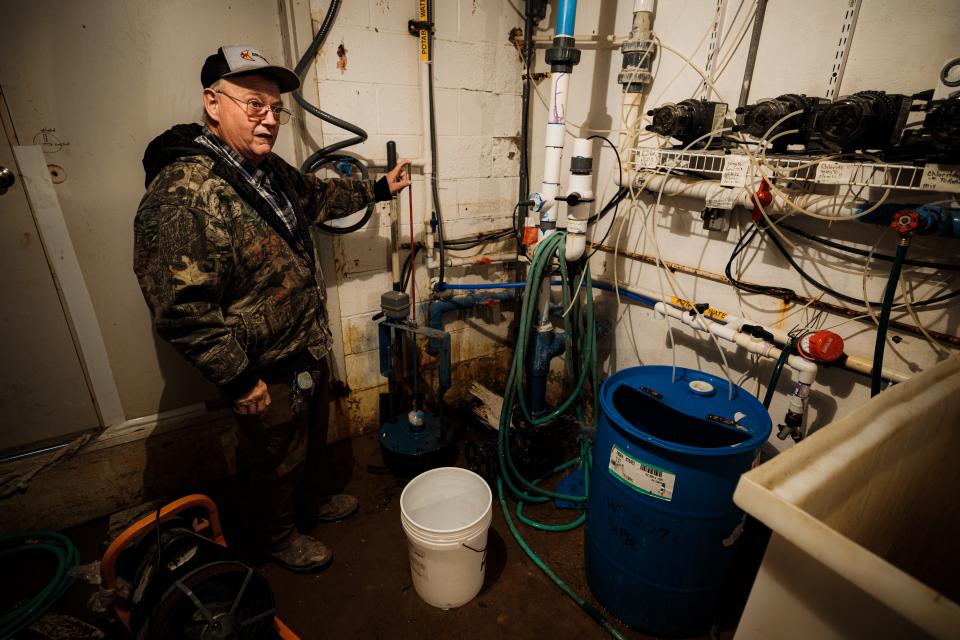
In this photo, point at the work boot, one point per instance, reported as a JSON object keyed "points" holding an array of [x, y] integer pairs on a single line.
{"points": [[303, 554], [332, 508]]}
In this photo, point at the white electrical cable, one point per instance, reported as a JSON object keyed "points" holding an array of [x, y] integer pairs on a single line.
{"points": [[677, 289], [908, 301], [718, 69], [692, 65]]}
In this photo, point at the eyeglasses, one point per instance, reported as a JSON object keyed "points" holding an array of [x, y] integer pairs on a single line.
{"points": [[257, 109]]}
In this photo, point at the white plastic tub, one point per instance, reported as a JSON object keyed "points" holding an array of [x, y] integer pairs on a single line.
{"points": [[866, 522], [446, 515]]}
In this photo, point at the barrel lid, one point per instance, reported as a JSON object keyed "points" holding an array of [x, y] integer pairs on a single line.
{"points": [[696, 394]]}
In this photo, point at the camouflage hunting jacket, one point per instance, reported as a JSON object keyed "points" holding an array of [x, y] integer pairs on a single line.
{"points": [[229, 285]]}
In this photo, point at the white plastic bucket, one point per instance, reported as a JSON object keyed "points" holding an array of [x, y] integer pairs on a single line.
{"points": [[446, 514]]}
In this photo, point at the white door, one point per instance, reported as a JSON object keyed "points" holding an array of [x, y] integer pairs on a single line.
{"points": [[44, 396]]}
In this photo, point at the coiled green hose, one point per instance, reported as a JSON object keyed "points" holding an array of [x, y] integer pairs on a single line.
{"points": [[45, 542], [581, 363]]}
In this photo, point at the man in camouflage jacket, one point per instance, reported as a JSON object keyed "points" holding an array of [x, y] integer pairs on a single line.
{"points": [[226, 263]]}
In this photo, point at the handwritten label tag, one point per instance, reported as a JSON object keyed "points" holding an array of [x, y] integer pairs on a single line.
{"points": [[941, 177], [735, 170], [648, 158], [833, 173], [722, 199]]}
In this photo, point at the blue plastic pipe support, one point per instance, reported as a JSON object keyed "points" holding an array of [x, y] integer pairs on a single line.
{"points": [[440, 308], [566, 17], [547, 345]]}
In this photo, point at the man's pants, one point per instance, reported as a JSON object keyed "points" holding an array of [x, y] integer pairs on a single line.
{"points": [[280, 453]]}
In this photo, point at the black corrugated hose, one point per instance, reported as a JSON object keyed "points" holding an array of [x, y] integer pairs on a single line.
{"points": [[327, 153], [302, 65]]}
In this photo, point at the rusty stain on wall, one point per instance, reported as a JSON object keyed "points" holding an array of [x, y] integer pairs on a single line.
{"points": [[782, 314], [341, 58], [353, 339]]}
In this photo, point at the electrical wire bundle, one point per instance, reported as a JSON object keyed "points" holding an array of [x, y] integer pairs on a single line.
{"points": [[789, 294]]}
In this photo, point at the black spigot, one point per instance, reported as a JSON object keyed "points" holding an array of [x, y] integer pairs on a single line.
{"points": [[573, 199]]}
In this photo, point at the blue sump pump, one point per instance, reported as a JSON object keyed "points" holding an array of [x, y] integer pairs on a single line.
{"points": [[411, 440], [662, 529]]}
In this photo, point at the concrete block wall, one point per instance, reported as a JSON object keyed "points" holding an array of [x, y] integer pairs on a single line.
{"points": [[368, 72]]}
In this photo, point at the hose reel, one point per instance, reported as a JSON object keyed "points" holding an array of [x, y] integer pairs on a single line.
{"points": [[172, 576]]}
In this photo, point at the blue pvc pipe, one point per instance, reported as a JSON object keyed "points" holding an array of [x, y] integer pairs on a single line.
{"points": [[603, 286], [547, 346], [566, 17], [482, 287], [629, 295], [440, 308]]}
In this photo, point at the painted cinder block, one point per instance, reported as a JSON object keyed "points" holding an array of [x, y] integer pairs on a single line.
{"points": [[361, 293], [363, 57]]}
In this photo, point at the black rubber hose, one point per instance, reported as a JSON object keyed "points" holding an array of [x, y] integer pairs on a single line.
{"points": [[876, 378], [300, 69], [433, 149], [336, 159], [806, 276], [943, 266], [529, 25], [321, 156]]}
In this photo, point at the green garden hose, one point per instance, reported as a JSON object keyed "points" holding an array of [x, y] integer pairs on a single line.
{"points": [[777, 369], [581, 363], [49, 543]]}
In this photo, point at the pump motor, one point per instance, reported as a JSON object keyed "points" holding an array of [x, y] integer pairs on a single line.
{"points": [[688, 120], [942, 123], [757, 119], [868, 120]]}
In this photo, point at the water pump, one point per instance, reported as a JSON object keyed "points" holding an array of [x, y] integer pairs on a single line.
{"points": [[688, 120], [865, 121], [757, 119]]}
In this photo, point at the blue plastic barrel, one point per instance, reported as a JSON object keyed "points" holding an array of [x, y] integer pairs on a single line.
{"points": [[661, 524]]}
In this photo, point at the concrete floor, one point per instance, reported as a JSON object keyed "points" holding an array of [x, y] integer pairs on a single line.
{"points": [[367, 592]]}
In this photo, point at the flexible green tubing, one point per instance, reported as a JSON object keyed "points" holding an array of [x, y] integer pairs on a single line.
{"points": [[580, 334], [876, 377], [777, 369], [67, 556]]}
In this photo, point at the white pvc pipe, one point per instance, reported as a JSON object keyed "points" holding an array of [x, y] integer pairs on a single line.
{"points": [[428, 168], [482, 259], [780, 337], [577, 215], [864, 366], [553, 146], [806, 370], [708, 190]]}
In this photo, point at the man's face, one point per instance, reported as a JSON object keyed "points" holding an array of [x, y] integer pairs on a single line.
{"points": [[251, 137]]}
